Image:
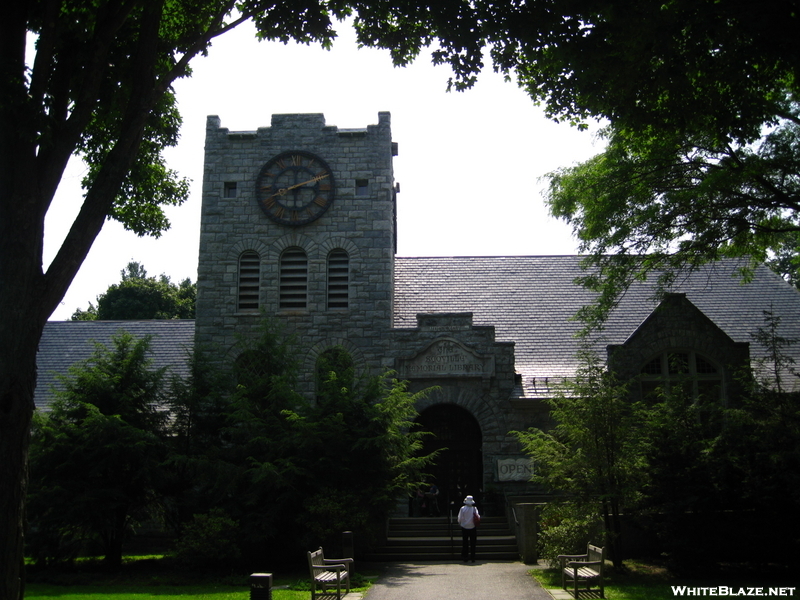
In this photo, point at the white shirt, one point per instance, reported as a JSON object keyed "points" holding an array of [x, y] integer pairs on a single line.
{"points": [[466, 516]]}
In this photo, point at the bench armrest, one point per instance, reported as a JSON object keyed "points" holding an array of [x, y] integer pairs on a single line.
{"points": [[342, 562], [583, 563], [563, 558], [330, 567], [336, 561]]}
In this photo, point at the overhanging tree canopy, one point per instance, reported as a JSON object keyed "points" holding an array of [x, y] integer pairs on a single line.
{"points": [[702, 156], [664, 201]]}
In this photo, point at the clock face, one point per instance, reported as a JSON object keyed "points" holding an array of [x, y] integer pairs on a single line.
{"points": [[295, 188]]}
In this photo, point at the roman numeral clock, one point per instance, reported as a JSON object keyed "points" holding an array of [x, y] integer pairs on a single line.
{"points": [[295, 188]]}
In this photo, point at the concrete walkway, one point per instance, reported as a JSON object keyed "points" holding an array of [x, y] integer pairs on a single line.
{"points": [[483, 580]]}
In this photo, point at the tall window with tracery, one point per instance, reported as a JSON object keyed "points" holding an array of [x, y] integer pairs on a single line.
{"points": [[694, 373]]}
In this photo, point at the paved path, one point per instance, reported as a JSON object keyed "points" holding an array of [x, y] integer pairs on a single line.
{"points": [[483, 580]]}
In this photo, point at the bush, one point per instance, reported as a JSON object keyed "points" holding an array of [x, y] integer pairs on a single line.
{"points": [[209, 542], [566, 528]]}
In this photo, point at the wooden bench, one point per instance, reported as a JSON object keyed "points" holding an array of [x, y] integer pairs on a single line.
{"points": [[327, 572], [583, 568]]}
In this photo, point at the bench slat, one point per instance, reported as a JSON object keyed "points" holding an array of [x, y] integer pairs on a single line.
{"points": [[583, 573]]}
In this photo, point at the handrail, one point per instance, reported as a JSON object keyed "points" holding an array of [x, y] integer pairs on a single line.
{"points": [[513, 510], [450, 529]]}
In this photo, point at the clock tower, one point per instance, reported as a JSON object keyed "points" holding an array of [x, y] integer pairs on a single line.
{"points": [[298, 225]]}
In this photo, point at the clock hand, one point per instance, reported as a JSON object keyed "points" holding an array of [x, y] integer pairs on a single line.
{"points": [[282, 191]]}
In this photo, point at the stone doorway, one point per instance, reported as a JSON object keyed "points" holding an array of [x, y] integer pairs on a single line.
{"points": [[459, 469]]}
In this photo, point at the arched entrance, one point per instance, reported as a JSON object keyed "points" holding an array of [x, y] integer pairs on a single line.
{"points": [[459, 469]]}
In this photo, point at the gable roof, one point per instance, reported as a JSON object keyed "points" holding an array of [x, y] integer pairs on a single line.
{"points": [[693, 320], [65, 343], [531, 301]]}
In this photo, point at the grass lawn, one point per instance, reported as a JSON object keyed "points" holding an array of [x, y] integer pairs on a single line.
{"points": [[133, 591], [146, 578], [47, 592], [40, 591]]}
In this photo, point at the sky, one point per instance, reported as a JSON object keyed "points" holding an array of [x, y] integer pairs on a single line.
{"points": [[470, 164]]}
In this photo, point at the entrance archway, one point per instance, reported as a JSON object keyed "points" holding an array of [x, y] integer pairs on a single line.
{"points": [[458, 470]]}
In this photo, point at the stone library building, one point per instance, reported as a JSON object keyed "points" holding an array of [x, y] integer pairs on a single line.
{"points": [[298, 223]]}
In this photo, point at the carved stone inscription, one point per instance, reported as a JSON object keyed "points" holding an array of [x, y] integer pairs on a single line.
{"points": [[446, 357], [514, 469]]}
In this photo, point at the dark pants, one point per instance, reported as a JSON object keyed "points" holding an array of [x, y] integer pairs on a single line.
{"points": [[469, 539]]}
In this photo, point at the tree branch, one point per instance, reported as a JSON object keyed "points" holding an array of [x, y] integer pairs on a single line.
{"points": [[59, 141]]}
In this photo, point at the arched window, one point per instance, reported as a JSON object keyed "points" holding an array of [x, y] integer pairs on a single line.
{"points": [[338, 279], [249, 369], [293, 279], [249, 279], [698, 376]]}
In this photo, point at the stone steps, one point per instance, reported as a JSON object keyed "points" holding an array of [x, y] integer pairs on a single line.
{"points": [[434, 538]]}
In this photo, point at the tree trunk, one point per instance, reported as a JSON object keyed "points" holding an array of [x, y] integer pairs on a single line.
{"points": [[17, 383], [613, 526], [114, 537], [24, 308], [14, 438]]}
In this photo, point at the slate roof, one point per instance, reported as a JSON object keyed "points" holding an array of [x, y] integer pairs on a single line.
{"points": [[531, 300], [65, 343]]}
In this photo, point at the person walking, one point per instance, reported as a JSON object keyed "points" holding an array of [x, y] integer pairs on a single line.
{"points": [[468, 518]]}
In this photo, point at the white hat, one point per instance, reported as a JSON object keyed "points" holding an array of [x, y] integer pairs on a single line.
{"points": [[469, 500]]}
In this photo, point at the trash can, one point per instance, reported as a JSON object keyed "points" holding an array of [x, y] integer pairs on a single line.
{"points": [[261, 586]]}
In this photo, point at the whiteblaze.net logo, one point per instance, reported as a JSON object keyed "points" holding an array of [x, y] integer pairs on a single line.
{"points": [[731, 592]]}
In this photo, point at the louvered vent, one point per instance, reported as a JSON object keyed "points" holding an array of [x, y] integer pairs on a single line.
{"points": [[294, 279], [249, 278], [338, 279]]}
